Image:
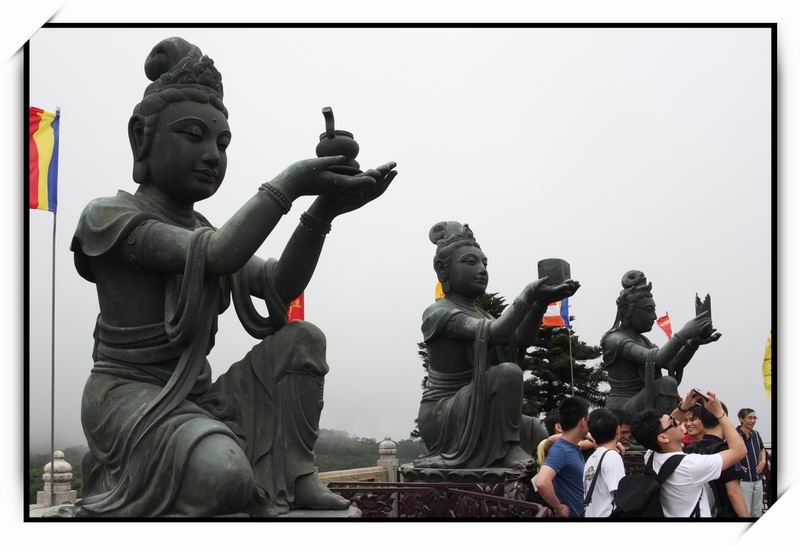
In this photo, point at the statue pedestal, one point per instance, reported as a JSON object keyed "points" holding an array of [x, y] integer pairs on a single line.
{"points": [[351, 512], [484, 476]]}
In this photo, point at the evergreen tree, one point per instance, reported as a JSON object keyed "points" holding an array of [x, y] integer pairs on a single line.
{"points": [[549, 364]]}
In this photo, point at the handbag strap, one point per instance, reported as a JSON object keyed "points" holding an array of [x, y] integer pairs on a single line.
{"points": [[588, 500]]}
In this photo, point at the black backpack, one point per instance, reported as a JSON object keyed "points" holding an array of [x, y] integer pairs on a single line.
{"points": [[639, 496]]}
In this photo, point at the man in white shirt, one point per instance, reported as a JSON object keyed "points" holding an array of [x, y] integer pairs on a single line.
{"points": [[605, 430], [663, 435]]}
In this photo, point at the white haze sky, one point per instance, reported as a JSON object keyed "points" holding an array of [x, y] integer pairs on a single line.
{"points": [[614, 149]]}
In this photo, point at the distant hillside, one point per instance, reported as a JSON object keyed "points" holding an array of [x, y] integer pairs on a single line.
{"points": [[335, 450]]}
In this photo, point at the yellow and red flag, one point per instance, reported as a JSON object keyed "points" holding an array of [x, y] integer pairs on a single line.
{"points": [[43, 158], [665, 324], [297, 308]]}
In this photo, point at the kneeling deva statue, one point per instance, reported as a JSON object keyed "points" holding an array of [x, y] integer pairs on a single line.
{"points": [[471, 410], [634, 363], [164, 439]]}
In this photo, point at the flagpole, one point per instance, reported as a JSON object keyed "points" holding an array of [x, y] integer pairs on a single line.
{"points": [[571, 373], [53, 368], [53, 353]]}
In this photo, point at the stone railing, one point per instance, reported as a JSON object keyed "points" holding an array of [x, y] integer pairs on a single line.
{"points": [[368, 474], [385, 471]]}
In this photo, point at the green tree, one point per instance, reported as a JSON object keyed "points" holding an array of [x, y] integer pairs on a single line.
{"points": [[551, 379]]}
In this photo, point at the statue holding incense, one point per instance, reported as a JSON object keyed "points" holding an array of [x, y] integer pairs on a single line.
{"points": [[471, 410], [164, 439], [635, 364]]}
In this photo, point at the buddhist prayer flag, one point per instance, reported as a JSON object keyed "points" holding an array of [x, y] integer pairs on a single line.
{"points": [[43, 158], [766, 367], [557, 314], [297, 308], [665, 324], [438, 292]]}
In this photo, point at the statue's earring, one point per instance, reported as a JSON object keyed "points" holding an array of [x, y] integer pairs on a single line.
{"points": [[139, 172], [138, 147], [445, 286]]}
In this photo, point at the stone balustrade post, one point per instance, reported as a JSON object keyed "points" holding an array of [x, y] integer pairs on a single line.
{"points": [[387, 458], [57, 481]]}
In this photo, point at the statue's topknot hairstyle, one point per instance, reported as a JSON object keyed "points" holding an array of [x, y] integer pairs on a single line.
{"points": [[175, 63], [179, 71]]}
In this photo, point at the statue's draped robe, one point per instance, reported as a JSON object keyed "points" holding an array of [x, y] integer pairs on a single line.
{"points": [[149, 399], [625, 377], [463, 419]]}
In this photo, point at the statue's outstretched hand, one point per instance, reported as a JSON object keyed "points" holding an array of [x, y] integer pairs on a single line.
{"points": [[706, 340], [337, 202], [312, 177], [548, 293], [698, 327]]}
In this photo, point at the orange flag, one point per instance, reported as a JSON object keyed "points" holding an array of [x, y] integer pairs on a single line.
{"points": [[665, 325]]}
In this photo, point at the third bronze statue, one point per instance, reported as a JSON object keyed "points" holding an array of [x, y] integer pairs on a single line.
{"points": [[164, 439], [634, 363], [471, 410]]}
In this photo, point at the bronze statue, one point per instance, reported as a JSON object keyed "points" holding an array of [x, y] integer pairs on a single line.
{"points": [[634, 363], [164, 439], [471, 410]]}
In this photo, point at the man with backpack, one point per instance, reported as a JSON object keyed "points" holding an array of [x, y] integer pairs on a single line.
{"points": [[604, 468], [680, 477]]}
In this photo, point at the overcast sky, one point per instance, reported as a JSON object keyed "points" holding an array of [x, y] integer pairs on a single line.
{"points": [[614, 149]]}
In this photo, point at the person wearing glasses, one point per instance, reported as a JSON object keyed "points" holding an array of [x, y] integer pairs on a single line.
{"points": [[662, 435], [753, 462]]}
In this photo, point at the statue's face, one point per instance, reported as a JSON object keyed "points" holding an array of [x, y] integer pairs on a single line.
{"points": [[187, 158], [643, 315], [467, 273]]}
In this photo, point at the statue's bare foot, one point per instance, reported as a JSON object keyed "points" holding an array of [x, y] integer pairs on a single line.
{"points": [[310, 493], [435, 461], [516, 456]]}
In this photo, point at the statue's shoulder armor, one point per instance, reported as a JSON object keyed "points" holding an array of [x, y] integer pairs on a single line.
{"points": [[102, 224], [613, 342], [436, 317]]}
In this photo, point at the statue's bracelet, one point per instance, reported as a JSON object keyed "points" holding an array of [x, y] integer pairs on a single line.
{"points": [[283, 202], [312, 223], [539, 307], [522, 304]]}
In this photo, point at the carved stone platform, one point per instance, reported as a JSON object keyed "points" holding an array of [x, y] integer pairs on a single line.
{"points": [[63, 511], [351, 512], [487, 476]]}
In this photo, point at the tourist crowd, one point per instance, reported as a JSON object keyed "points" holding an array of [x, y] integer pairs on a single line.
{"points": [[697, 463]]}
